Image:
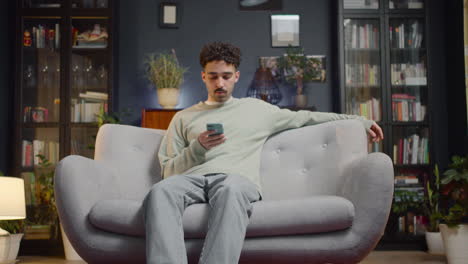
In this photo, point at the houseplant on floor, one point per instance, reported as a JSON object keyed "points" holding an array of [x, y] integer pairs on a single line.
{"points": [[455, 217], [166, 74], [15, 230], [12, 208], [434, 240]]}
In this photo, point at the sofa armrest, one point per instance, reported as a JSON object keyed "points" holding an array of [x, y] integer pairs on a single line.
{"points": [[79, 183], [369, 186]]}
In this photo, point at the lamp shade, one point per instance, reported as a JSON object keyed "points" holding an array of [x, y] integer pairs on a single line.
{"points": [[12, 203]]}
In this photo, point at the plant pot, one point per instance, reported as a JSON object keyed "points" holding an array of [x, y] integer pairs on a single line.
{"points": [[168, 97], [301, 100], [435, 244], [70, 253], [455, 241], [9, 247]]}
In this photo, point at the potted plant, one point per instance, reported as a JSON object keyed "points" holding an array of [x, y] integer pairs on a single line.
{"points": [[166, 74], [434, 241], [9, 244], [47, 214], [455, 217], [11, 233], [296, 68]]}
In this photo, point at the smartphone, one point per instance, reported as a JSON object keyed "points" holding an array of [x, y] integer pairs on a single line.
{"points": [[218, 127]]}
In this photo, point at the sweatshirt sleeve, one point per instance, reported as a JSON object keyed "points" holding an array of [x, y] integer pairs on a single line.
{"points": [[176, 154], [287, 119]]}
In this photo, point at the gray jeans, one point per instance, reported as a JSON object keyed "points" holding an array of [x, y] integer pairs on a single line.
{"points": [[230, 198]]}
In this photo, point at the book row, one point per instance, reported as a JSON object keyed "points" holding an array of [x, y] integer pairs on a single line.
{"points": [[42, 36], [406, 35], [406, 110], [370, 109], [31, 150], [362, 74], [408, 74], [364, 36], [413, 149]]}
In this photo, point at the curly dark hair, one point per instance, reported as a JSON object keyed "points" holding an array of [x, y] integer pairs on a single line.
{"points": [[216, 51]]}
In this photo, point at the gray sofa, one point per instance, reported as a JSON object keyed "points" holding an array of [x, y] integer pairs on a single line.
{"points": [[325, 200]]}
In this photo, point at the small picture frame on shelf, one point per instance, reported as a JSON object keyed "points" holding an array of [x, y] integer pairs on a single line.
{"points": [[284, 30], [169, 15]]}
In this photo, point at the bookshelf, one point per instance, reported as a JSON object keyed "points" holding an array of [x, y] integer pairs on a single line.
{"points": [[63, 80], [383, 76]]}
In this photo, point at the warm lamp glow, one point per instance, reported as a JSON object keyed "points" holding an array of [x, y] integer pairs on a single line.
{"points": [[12, 203]]}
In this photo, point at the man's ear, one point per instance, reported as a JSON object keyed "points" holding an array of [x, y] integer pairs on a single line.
{"points": [[203, 76], [237, 75]]}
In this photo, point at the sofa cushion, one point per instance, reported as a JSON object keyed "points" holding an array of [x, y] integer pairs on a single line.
{"points": [[315, 214]]}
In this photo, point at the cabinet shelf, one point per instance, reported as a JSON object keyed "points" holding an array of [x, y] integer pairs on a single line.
{"points": [[412, 123], [411, 166], [83, 124], [41, 124]]}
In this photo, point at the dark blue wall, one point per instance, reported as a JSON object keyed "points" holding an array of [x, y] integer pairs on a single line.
{"points": [[210, 20], [6, 93]]}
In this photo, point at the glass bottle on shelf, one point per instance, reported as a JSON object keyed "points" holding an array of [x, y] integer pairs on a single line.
{"points": [[362, 70]]}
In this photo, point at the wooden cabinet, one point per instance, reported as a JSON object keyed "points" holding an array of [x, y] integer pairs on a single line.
{"points": [[157, 118]]}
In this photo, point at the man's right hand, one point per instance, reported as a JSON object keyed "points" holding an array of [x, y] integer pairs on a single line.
{"points": [[209, 142]]}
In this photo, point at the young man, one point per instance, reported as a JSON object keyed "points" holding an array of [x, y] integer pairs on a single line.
{"points": [[222, 170]]}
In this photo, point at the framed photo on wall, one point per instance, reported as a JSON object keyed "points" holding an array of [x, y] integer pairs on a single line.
{"points": [[284, 30], [169, 15]]}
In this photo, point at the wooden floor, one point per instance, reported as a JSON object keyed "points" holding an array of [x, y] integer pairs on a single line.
{"points": [[376, 257]]}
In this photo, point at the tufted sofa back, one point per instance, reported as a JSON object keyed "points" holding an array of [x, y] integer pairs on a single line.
{"points": [[295, 163], [310, 160], [132, 154]]}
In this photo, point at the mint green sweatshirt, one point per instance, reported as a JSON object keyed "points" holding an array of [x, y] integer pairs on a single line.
{"points": [[247, 124]]}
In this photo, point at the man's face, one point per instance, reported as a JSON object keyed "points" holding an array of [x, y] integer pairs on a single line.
{"points": [[219, 78]]}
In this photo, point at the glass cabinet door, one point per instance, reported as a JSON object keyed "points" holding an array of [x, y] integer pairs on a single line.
{"points": [[408, 70], [406, 4], [41, 71], [89, 70], [90, 81], [363, 86]]}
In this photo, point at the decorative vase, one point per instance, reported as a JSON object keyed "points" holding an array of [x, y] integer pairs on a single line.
{"points": [[435, 244], [168, 97], [70, 253], [9, 247], [300, 100], [455, 241], [264, 87]]}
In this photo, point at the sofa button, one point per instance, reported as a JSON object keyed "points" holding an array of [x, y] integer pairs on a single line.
{"points": [[324, 145], [278, 151], [304, 170]]}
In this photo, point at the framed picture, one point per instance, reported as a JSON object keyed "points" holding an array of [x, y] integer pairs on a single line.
{"points": [[284, 30], [247, 5], [169, 15]]}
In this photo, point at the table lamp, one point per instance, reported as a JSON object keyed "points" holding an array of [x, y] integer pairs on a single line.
{"points": [[12, 203]]}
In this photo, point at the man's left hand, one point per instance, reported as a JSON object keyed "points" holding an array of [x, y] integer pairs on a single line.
{"points": [[375, 133]]}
